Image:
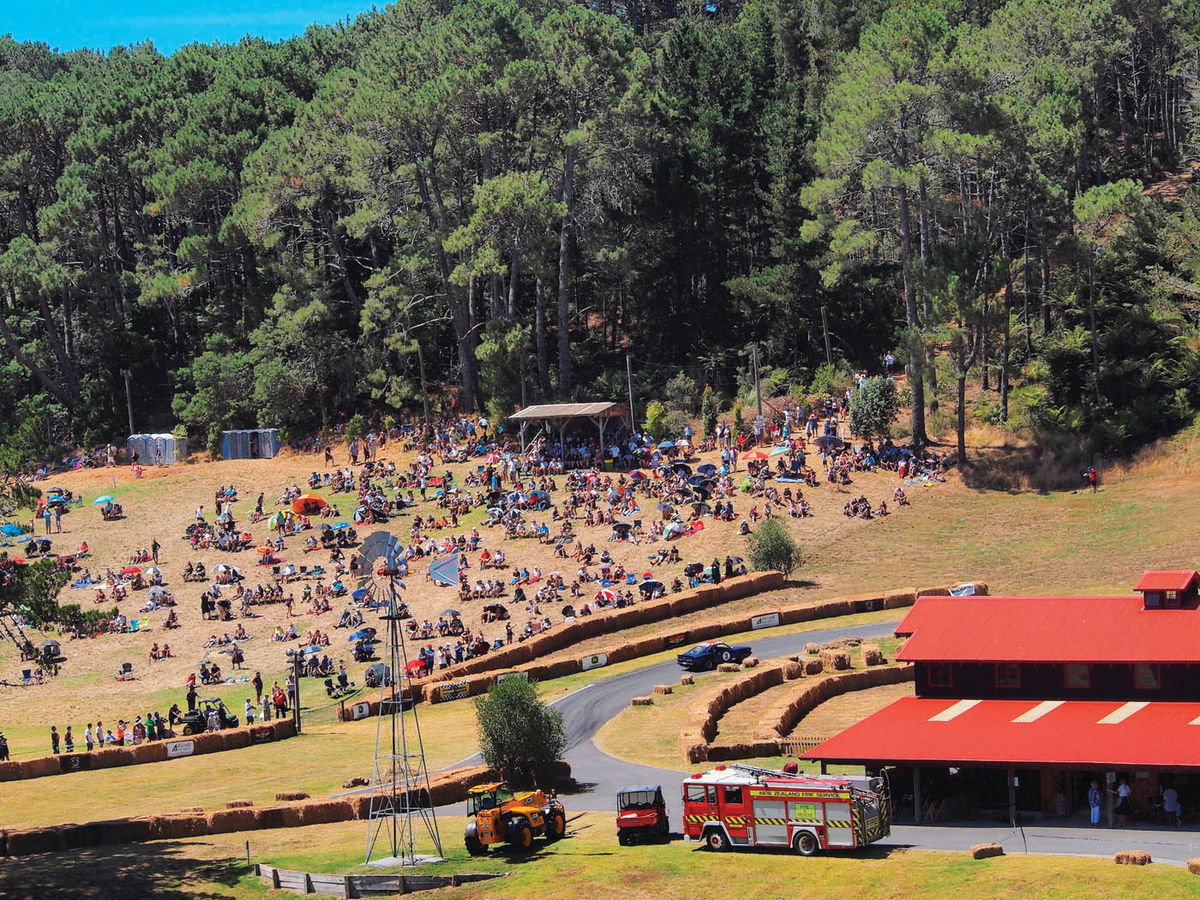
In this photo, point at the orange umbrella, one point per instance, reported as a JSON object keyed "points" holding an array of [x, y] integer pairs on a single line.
{"points": [[308, 502], [266, 551], [753, 454]]}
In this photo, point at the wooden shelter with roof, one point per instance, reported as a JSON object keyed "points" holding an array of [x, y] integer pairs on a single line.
{"points": [[562, 415], [1057, 691]]}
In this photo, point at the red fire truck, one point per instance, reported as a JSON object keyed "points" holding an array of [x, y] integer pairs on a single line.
{"points": [[747, 806]]}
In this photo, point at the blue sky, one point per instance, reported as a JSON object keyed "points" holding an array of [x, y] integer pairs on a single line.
{"points": [[103, 24]]}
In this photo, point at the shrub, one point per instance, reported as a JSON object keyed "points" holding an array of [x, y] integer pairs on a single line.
{"points": [[709, 410], [771, 547], [518, 734], [680, 392], [356, 427], [873, 407], [655, 423]]}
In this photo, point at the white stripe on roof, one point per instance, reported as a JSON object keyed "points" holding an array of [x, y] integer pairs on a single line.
{"points": [[1035, 713], [954, 711], [1123, 712]]}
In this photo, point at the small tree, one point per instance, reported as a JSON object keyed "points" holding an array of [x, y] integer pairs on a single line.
{"points": [[771, 547], [356, 427], [739, 423], [518, 734], [709, 409], [873, 408], [656, 420]]}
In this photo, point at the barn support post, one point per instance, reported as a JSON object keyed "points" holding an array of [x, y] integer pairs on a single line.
{"points": [[917, 794], [1012, 798]]}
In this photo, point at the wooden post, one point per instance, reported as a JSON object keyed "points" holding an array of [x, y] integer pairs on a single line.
{"points": [[1012, 798], [275, 878], [917, 795]]}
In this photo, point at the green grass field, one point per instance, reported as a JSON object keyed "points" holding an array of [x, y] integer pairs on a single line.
{"points": [[590, 860]]}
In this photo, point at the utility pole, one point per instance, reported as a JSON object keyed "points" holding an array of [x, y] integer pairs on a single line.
{"points": [[629, 380], [128, 400], [757, 386], [825, 327]]}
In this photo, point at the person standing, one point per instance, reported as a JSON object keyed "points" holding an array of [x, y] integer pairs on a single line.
{"points": [[58, 519], [258, 686], [1170, 804], [715, 572], [54, 739], [155, 546], [88, 740], [46, 514], [266, 707], [3, 748], [1124, 795], [69, 740], [1093, 798], [249, 711], [100, 733]]}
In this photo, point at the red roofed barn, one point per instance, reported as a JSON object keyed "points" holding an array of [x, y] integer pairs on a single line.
{"points": [[1022, 701]]}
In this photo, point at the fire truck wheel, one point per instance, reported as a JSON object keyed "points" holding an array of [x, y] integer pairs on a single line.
{"points": [[806, 844], [716, 840]]}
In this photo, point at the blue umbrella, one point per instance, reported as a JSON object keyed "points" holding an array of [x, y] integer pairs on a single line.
{"points": [[340, 525], [706, 469], [100, 501], [10, 529], [362, 634], [23, 538], [359, 594], [779, 450], [667, 445]]}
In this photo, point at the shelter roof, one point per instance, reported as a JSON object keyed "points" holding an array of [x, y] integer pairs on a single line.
{"points": [[1167, 580], [1117, 629], [571, 411], [1084, 733]]}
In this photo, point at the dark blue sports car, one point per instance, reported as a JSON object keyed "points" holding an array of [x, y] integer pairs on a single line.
{"points": [[706, 656]]}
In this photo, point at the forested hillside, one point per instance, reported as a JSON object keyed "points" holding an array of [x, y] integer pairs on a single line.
{"points": [[489, 203]]}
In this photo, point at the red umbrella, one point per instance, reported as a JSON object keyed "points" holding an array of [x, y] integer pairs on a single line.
{"points": [[753, 454], [131, 570], [606, 595]]}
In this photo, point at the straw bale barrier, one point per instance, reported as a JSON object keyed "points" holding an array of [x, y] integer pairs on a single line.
{"points": [[813, 666], [238, 804], [872, 655], [642, 701], [749, 662], [1193, 864], [687, 678], [192, 809], [983, 851], [663, 689], [812, 648], [779, 719], [292, 795], [531, 656], [151, 752], [1132, 858], [225, 821]]}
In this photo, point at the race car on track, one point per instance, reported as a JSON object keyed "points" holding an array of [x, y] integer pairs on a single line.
{"points": [[708, 655]]}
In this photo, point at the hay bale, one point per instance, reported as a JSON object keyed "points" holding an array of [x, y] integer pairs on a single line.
{"points": [[793, 670], [842, 643], [238, 804], [749, 662], [837, 660], [295, 795], [192, 809], [642, 701], [178, 826], [983, 851], [1132, 858], [687, 679], [323, 812], [812, 649], [813, 666], [663, 689], [1193, 865], [729, 667], [872, 655], [356, 781], [227, 821]]}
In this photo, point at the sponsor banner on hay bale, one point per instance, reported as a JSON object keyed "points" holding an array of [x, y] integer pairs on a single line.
{"points": [[176, 749], [766, 620], [360, 711], [595, 661]]}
